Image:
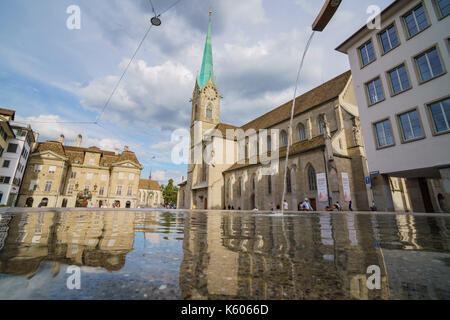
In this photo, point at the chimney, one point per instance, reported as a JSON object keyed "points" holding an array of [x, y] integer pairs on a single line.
{"points": [[116, 151], [126, 149], [61, 139], [78, 141]]}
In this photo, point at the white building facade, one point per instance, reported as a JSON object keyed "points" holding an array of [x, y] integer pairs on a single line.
{"points": [[13, 164], [402, 84]]}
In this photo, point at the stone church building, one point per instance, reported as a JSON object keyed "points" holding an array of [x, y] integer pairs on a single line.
{"points": [[325, 141]]}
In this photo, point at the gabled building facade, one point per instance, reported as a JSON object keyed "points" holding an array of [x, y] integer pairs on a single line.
{"points": [[71, 176]]}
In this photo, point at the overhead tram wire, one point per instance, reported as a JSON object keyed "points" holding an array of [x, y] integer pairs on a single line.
{"points": [[132, 58]]}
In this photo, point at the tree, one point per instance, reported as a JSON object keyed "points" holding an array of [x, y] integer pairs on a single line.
{"points": [[170, 193]]}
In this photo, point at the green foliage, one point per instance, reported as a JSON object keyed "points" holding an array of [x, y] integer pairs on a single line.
{"points": [[170, 193]]}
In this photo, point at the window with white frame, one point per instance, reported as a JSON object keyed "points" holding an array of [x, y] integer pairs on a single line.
{"points": [[33, 185], [301, 132], [284, 138], [384, 134], [121, 175], [37, 168], [416, 20], [131, 176], [410, 125], [130, 191], [48, 186], [89, 176], [101, 191], [119, 191], [389, 38], [52, 169], [429, 64], [366, 53], [92, 161], [399, 79], [70, 189], [73, 175], [103, 177], [375, 91], [440, 113], [86, 188]]}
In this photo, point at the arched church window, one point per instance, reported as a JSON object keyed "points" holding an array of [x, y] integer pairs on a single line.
{"points": [[301, 132], [269, 184], [284, 138], [312, 178], [239, 187], [269, 143], [209, 111], [288, 182], [321, 125]]}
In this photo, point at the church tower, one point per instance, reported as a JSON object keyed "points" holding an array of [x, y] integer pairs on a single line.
{"points": [[206, 97]]}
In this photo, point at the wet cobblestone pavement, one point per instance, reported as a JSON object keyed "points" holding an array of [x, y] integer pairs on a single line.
{"points": [[157, 255]]}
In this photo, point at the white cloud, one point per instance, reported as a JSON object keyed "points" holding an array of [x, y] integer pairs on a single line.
{"points": [[163, 176]]}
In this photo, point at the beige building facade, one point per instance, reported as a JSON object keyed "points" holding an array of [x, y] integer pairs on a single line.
{"points": [[71, 176], [325, 139], [150, 194]]}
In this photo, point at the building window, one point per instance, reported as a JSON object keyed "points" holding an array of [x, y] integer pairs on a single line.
{"points": [[301, 132], [86, 188], [6, 163], [89, 176], [411, 127], [130, 191], [1, 150], [321, 125], [73, 175], [399, 79], [119, 191], [416, 20], [44, 202], [131, 176], [5, 180], [101, 191], [209, 113], [239, 187], [70, 189], [269, 143], [33, 185], [288, 182], [91, 161], [366, 53], [429, 64], [284, 138], [121, 175], [48, 186], [51, 169], [64, 203], [375, 91], [12, 147], [29, 202], [312, 182], [269, 184], [443, 7], [384, 134], [389, 39], [103, 177], [440, 113]]}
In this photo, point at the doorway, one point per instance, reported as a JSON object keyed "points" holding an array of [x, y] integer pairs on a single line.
{"points": [[313, 204], [206, 203], [425, 195]]}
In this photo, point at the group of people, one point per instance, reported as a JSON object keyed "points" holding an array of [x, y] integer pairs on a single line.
{"points": [[303, 206], [103, 205]]}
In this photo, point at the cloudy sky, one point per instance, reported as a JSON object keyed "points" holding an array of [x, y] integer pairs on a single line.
{"points": [[50, 74]]}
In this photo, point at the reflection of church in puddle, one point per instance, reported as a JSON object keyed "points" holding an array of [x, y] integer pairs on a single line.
{"points": [[321, 257], [95, 239]]}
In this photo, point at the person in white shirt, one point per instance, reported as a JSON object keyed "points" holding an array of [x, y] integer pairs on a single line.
{"points": [[285, 205]]}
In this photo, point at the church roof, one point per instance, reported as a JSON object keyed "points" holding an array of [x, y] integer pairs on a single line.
{"points": [[322, 94], [206, 72], [149, 184]]}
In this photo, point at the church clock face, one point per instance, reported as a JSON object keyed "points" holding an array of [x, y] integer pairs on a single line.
{"points": [[211, 93]]}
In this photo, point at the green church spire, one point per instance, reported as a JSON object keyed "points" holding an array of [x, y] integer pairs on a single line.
{"points": [[207, 65]]}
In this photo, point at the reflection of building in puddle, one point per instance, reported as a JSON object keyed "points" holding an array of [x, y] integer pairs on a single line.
{"points": [[97, 239], [275, 258]]}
